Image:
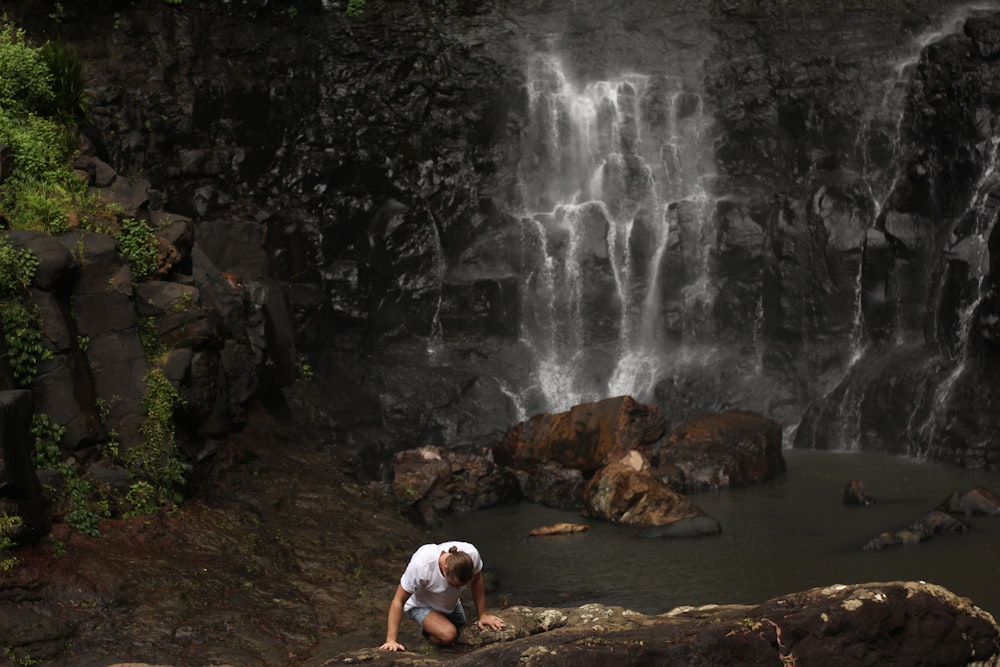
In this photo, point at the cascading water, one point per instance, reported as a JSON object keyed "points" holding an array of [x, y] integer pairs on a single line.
{"points": [[611, 180], [883, 158], [970, 249]]}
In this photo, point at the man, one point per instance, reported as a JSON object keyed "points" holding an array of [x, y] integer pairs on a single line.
{"points": [[429, 590]]}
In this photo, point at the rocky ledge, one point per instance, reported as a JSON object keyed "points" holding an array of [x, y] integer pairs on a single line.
{"points": [[915, 623]]}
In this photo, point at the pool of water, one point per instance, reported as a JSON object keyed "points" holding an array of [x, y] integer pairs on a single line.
{"points": [[779, 537]]}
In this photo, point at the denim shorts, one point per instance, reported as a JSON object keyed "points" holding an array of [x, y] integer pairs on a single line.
{"points": [[418, 614]]}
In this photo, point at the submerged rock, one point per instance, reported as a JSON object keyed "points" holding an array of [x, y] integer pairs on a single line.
{"points": [[981, 501], [931, 524]]}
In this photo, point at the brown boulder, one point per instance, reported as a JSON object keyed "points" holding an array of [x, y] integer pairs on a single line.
{"points": [[621, 494], [586, 437], [715, 451], [434, 481], [977, 501], [854, 493]]}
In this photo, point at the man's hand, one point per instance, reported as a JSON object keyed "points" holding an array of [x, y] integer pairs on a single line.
{"points": [[490, 621], [392, 646]]}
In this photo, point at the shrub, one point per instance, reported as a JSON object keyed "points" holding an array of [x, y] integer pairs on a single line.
{"points": [[8, 525], [25, 80], [138, 246], [70, 102]]}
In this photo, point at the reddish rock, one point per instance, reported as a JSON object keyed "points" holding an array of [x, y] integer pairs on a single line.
{"points": [[621, 494], [854, 493], [980, 501], [586, 437], [714, 451]]}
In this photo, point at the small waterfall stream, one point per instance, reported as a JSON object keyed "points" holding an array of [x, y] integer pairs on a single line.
{"points": [[611, 179]]}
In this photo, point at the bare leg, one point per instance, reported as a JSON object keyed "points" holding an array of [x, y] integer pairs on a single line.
{"points": [[439, 629]]}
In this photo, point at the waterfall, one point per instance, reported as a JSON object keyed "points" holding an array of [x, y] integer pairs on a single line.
{"points": [[879, 144], [968, 246], [613, 212]]}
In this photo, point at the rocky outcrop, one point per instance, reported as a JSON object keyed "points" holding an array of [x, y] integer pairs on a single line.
{"points": [[220, 343], [621, 494], [862, 624], [585, 438], [715, 451], [433, 482]]}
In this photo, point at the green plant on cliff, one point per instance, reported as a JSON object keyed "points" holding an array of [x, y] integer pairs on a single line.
{"points": [[138, 246], [42, 95], [153, 460], [25, 80], [70, 102], [356, 8], [17, 269], [22, 326], [75, 498], [8, 525]]}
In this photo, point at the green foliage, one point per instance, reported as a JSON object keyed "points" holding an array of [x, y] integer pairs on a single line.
{"points": [[25, 80], [41, 90], [8, 526], [306, 371], [22, 331], [70, 102], [149, 335], [15, 659], [76, 499], [153, 459], [356, 8], [83, 511], [48, 435], [138, 246], [22, 326], [143, 499], [40, 145], [17, 269]]}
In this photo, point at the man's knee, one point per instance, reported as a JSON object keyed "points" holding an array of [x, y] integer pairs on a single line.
{"points": [[441, 632]]}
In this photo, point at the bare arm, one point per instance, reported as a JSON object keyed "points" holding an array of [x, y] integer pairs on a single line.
{"points": [[478, 588], [395, 617]]}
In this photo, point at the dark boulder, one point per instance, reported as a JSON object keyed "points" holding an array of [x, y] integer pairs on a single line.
{"points": [[724, 450], [855, 494], [434, 482]]}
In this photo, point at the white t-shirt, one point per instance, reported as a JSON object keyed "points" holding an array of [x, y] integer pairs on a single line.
{"points": [[425, 583]]}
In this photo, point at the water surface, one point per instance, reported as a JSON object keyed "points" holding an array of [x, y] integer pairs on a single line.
{"points": [[779, 537]]}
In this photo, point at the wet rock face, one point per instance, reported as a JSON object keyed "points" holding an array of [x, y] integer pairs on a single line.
{"points": [[379, 169]]}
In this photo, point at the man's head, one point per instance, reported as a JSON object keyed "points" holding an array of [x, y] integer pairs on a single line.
{"points": [[458, 568]]}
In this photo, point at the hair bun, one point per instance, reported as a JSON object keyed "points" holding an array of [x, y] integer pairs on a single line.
{"points": [[453, 550]]}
